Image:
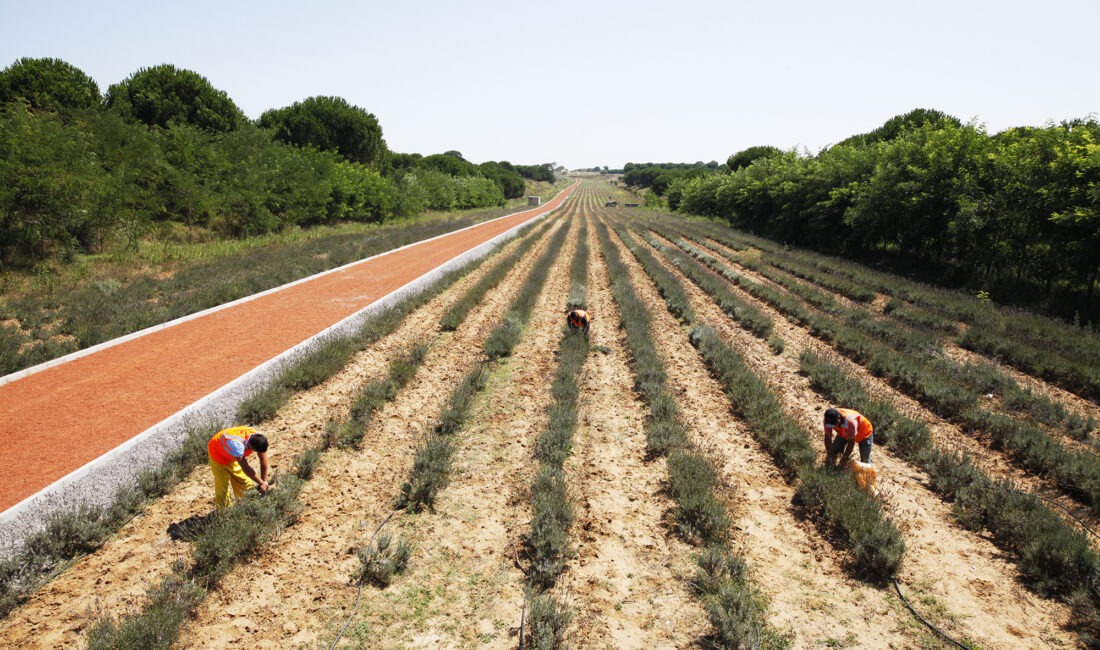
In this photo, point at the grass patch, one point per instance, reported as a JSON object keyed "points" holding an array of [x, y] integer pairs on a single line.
{"points": [[384, 558]]}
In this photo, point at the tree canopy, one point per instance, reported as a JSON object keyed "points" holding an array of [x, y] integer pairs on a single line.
{"points": [[330, 124], [49, 85], [165, 94], [1016, 213]]}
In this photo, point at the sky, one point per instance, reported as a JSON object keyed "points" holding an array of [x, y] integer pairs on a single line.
{"points": [[599, 83]]}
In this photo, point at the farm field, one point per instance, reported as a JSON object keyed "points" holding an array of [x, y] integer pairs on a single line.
{"points": [[686, 502]]}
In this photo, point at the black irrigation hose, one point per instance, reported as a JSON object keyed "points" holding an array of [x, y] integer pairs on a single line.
{"points": [[359, 595], [935, 629], [522, 620]]}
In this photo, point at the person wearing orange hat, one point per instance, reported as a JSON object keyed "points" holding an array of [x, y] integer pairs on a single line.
{"points": [[229, 450]]}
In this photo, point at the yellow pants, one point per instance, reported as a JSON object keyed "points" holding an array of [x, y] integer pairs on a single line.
{"points": [[224, 476]]}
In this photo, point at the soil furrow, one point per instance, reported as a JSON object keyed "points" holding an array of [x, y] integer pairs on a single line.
{"points": [[299, 590], [113, 580], [463, 587], [946, 436], [970, 583], [628, 583], [789, 560]]}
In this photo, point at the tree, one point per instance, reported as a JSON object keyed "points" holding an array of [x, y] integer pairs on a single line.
{"points": [[48, 85], [330, 124], [164, 95], [504, 175], [746, 157], [448, 164]]}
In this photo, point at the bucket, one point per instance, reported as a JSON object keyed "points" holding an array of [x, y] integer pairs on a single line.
{"points": [[865, 475]]}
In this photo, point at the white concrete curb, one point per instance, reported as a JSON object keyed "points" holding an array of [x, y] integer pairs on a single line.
{"points": [[98, 482]]}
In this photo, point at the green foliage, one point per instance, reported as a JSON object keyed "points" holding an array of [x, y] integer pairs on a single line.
{"points": [[505, 175], [746, 157], [330, 124], [48, 84], [503, 339], [164, 94], [735, 609], [694, 483], [430, 473], [157, 627], [873, 542], [552, 514], [547, 621], [382, 560], [242, 530], [1012, 213]]}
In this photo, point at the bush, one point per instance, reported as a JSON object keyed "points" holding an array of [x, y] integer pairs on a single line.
{"points": [[430, 473], [552, 515], [547, 621], [383, 559], [157, 626], [694, 483], [874, 544]]}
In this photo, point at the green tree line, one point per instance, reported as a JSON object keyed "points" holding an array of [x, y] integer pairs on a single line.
{"points": [[658, 177], [1015, 214], [164, 151]]}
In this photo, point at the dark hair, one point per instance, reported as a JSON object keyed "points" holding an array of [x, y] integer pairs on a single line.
{"points": [[832, 416], [258, 442]]}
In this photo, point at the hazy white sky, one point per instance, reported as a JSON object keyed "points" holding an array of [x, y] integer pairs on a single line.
{"points": [[599, 82]]}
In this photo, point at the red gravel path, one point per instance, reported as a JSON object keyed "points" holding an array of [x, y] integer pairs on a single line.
{"points": [[55, 421]]}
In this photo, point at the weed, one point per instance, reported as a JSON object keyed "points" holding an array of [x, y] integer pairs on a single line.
{"points": [[383, 559]]}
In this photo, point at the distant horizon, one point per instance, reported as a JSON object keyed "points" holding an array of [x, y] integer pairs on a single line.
{"points": [[599, 84]]}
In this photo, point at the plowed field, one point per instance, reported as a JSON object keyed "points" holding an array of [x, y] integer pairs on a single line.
{"points": [[629, 579]]}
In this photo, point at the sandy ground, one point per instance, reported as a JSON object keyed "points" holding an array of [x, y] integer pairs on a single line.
{"points": [[628, 581], [114, 579], [300, 590], [970, 584]]}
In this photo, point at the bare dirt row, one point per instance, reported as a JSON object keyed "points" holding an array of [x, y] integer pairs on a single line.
{"points": [[114, 579], [628, 583], [962, 576], [946, 435]]}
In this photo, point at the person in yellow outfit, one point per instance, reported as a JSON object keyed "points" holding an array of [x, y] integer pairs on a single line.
{"points": [[229, 450]]}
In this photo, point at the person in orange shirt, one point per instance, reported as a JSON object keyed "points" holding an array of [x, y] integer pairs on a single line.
{"points": [[578, 320], [228, 451], [851, 428]]}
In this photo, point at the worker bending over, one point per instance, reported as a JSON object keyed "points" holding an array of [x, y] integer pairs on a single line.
{"points": [[578, 320], [851, 428], [229, 450]]}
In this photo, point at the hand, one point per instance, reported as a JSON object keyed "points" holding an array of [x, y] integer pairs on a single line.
{"points": [[263, 487], [830, 459]]}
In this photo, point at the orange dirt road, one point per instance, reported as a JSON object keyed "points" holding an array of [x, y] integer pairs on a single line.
{"points": [[54, 421]]}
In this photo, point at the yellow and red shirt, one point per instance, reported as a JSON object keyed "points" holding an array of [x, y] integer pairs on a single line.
{"points": [[230, 445]]}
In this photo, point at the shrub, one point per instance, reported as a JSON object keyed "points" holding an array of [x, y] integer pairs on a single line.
{"points": [[157, 626], [382, 559], [552, 515], [547, 622], [430, 473], [694, 482]]}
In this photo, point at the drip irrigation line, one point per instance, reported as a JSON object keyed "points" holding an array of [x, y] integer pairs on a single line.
{"points": [[359, 595], [935, 629], [522, 621], [1069, 512]]}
